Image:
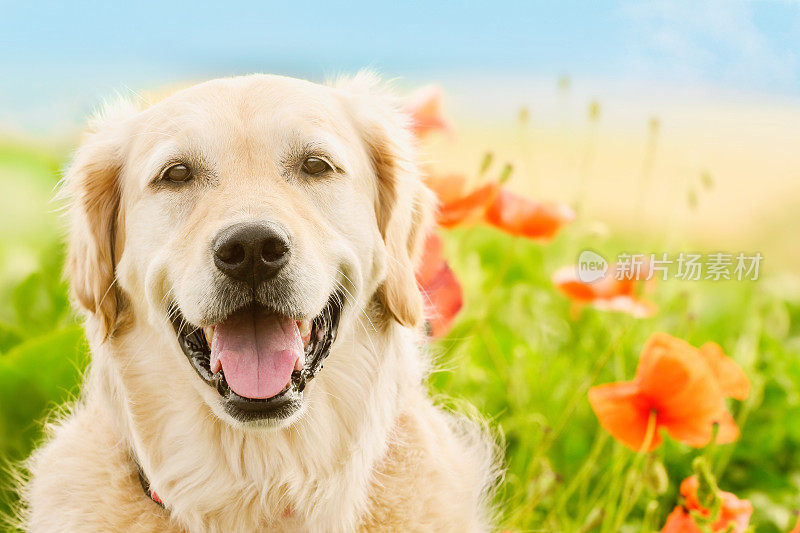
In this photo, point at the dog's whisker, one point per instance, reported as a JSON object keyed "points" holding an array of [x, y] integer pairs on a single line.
{"points": [[361, 309], [352, 298], [170, 310], [331, 395]]}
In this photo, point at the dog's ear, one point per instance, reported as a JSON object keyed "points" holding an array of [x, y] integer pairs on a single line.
{"points": [[91, 190], [404, 206]]}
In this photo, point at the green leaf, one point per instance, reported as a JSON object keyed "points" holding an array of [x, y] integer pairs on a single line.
{"points": [[9, 337], [39, 302], [35, 376]]}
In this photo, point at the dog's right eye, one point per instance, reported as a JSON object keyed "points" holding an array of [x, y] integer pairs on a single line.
{"points": [[177, 173]]}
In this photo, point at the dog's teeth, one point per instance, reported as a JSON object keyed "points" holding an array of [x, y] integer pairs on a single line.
{"points": [[209, 333], [298, 365], [305, 330], [215, 364]]}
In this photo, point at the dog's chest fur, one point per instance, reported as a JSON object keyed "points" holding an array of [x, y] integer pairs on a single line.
{"points": [[372, 453]]}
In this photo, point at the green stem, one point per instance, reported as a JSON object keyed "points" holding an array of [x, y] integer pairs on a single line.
{"points": [[586, 469], [628, 499]]}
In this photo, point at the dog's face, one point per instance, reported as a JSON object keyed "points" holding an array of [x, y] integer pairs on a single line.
{"points": [[249, 215]]}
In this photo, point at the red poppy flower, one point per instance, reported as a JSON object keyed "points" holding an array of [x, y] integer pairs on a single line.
{"points": [[606, 293], [424, 106], [494, 205], [605, 288], [525, 218], [457, 207], [675, 384], [734, 515], [467, 209], [442, 292]]}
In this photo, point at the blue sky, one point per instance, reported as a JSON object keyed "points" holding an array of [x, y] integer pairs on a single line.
{"points": [[59, 57]]}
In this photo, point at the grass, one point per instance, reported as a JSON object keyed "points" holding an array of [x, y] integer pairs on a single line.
{"points": [[517, 352], [520, 357]]}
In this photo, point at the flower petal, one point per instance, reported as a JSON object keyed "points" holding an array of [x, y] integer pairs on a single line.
{"points": [[623, 413], [448, 188], [566, 280], [469, 208], [728, 430], [424, 106], [445, 300], [439, 286], [681, 387], [680, 521], [431, 260], [525, 218], [734, 511], [606, 293], [732, 379]]}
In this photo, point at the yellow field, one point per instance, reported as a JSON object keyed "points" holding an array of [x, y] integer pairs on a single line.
{"points": [[720, 175]]}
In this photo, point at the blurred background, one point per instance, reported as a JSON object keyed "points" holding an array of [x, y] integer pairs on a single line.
{"points": [[684, 89], [668, 125]]}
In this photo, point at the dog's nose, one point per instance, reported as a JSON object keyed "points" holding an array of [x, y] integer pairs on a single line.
{"points": [[252, 252]]}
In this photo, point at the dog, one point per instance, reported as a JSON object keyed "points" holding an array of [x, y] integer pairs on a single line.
{"points": [[224, 243]]}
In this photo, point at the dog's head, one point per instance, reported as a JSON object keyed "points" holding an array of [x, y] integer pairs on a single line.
{"points": [[248, 215]]}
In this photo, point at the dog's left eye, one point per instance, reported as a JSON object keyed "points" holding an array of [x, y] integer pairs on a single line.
{"points": [[315, 165], [177, 173]]}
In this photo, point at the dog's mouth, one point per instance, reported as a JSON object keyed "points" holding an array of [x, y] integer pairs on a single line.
{"points": [[258, 360]]}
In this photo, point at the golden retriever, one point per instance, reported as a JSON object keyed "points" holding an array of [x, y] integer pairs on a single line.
{"points": [[223, 243]]}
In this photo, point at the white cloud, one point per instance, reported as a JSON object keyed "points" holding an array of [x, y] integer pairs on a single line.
{"points": [[717, 41]]}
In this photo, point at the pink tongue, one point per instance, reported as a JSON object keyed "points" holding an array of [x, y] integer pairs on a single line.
{"points": [[257, 352]]}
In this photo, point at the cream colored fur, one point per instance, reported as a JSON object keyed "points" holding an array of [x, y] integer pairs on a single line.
{"points": [[369, 450]]}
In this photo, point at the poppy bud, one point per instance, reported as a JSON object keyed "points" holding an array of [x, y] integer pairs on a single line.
{"points": [[655, 476], [707, 489]]}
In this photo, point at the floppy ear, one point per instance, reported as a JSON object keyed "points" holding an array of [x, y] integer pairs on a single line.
{"points": [[91, 189], [404, 206]]}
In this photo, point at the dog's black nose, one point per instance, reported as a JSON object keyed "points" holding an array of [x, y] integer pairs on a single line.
{"points": [[252, 252]]}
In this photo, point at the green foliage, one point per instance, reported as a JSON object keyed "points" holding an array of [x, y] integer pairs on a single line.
{"points": [[518, 352], [36, 375], [522, 356], [42, 349]]}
